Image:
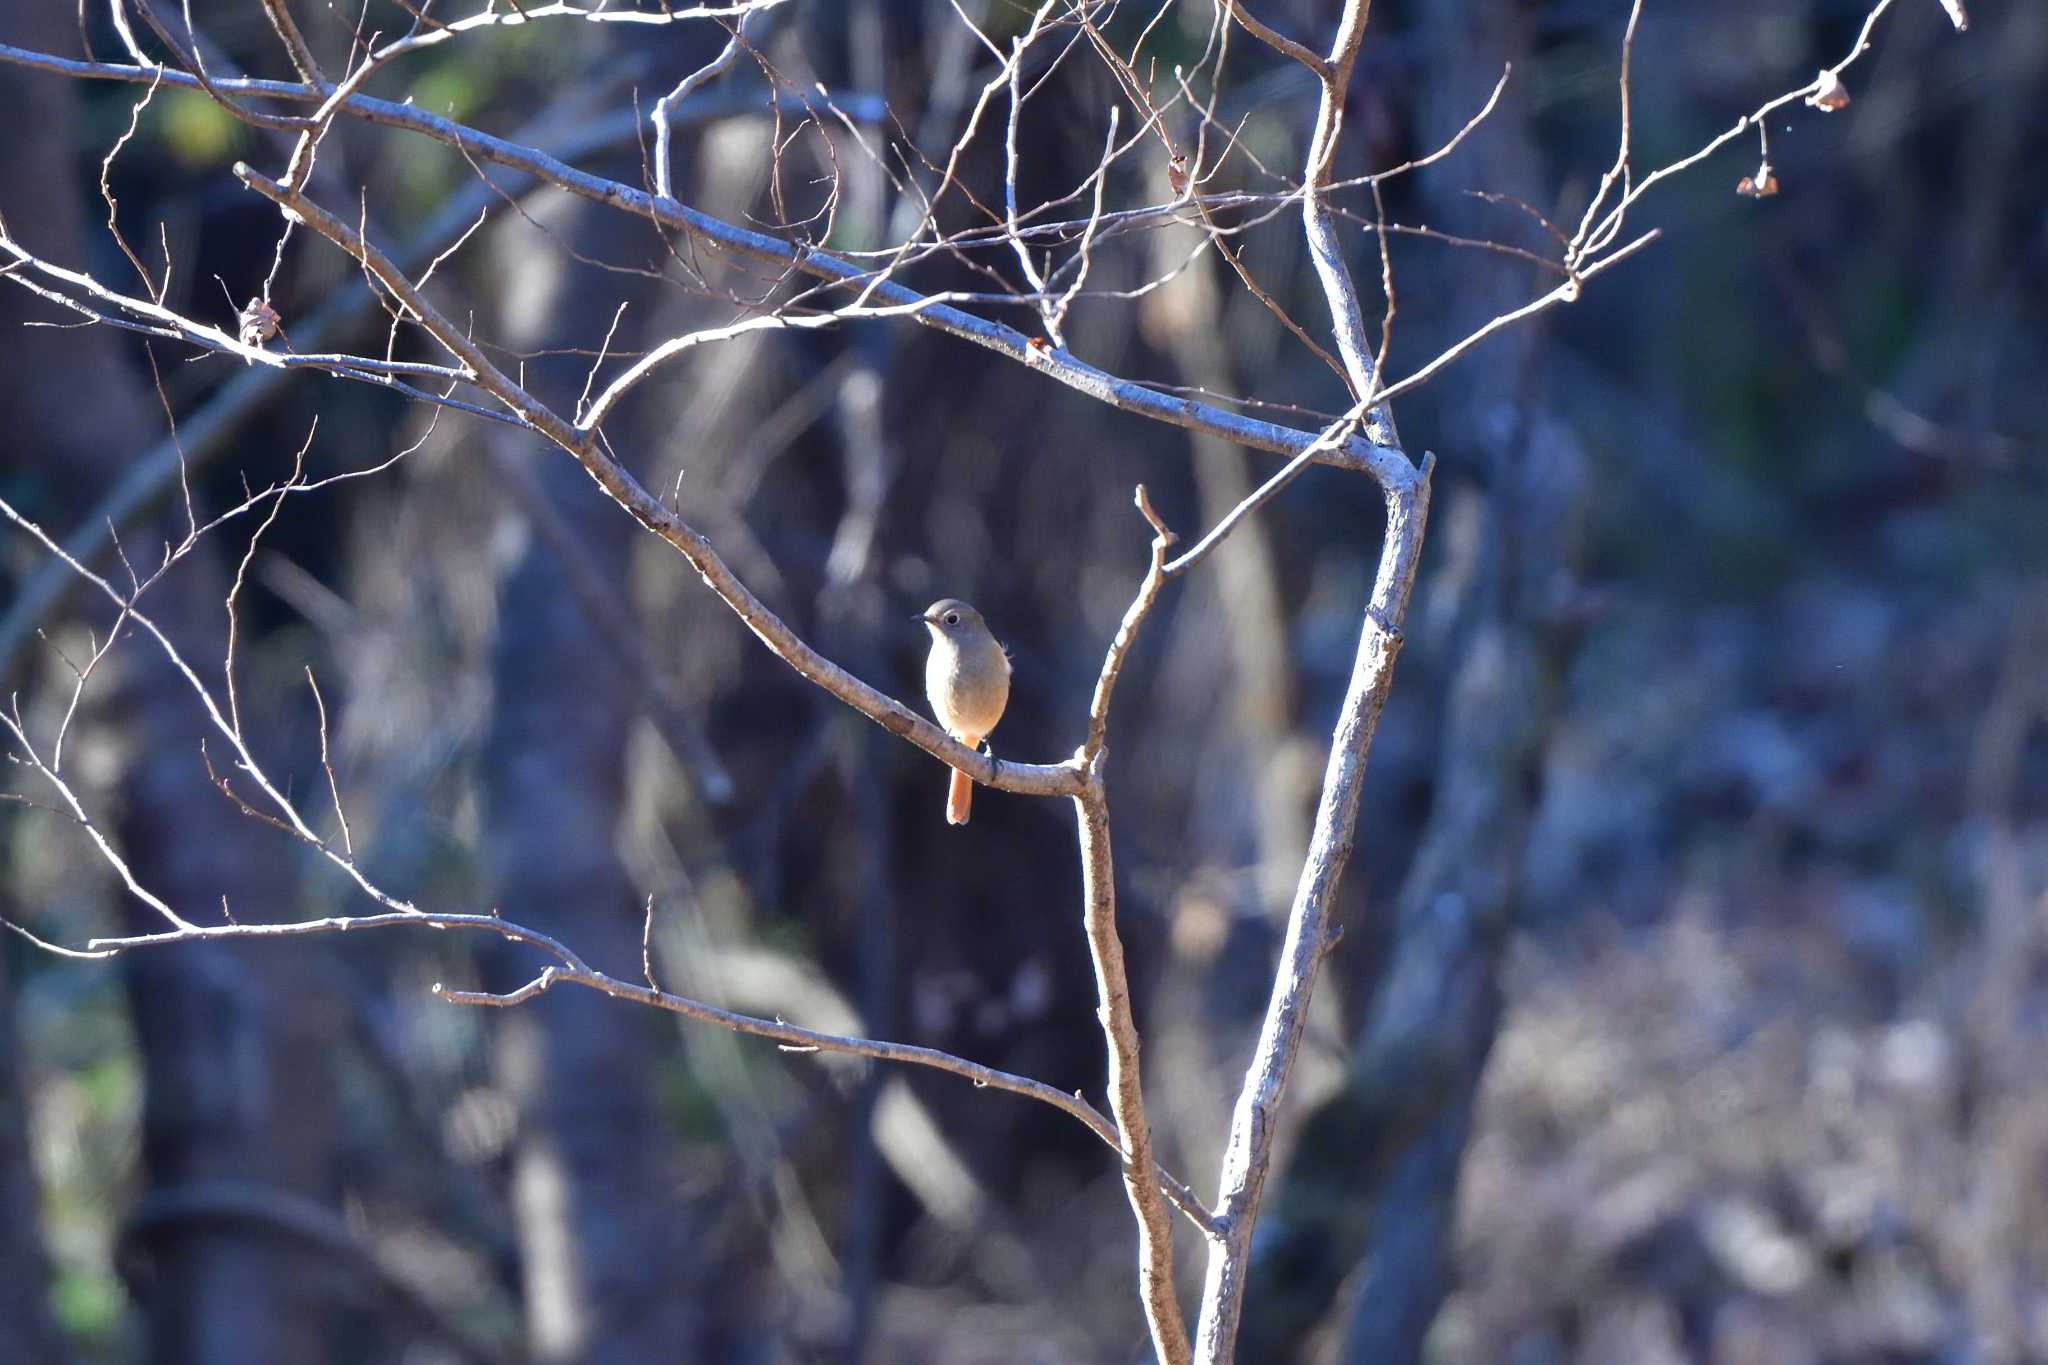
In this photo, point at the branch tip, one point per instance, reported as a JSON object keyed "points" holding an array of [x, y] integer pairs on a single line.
{"points": [[1144, 502]]}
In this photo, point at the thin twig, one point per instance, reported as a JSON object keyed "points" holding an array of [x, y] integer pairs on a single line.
{"points": [[1127, 630], [348, 843], [664, 108]]}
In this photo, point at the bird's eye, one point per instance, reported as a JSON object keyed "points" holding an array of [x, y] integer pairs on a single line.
{"points": [[952, 618]]}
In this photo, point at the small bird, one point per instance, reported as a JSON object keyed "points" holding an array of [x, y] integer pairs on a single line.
{"points": [[967, 679]]}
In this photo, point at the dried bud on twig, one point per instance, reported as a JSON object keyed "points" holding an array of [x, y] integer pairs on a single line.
{"points": [[1762, 185], [1957, 15], [1829, 93], [257, 322]]}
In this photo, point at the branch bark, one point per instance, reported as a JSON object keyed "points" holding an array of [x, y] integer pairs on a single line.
{"points": [[1112, 982], [1249, 1153], [1319, 224], [1126, 1093], [1278, 41]]}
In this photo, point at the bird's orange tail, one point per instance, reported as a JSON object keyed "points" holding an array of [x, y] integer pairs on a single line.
{"points": [[959, 796]]}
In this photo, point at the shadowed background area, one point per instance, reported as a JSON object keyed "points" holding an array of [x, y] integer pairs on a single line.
{"points": [[1695, 965]]}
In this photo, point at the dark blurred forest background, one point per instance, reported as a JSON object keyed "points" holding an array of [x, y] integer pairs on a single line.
{"points": [[1694, 984]]}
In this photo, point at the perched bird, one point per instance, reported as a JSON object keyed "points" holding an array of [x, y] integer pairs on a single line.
{"points": [[967, 679]]}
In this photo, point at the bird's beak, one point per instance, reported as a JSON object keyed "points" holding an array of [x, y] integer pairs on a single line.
{"points": [[922, 616]]}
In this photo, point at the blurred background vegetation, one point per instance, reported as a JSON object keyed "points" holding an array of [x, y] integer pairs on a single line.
{"points": [[1695, 977]]}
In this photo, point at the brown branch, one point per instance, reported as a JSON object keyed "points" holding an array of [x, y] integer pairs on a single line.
{"points": [[1235, 259], [1059, 779], [1126, 1091], [1127, 631], [156, 291], [301, 52], [293, 822], [1278, 41], [569, 969], [1105, 950]]}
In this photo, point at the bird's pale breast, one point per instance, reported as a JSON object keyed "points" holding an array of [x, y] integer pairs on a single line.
{"points": [[968, 686]]}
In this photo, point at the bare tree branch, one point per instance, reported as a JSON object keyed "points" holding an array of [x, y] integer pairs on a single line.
{"points": [[1326, 252], [1112, 984], [567, 969], [664, 108], [1060, 779], [1279, 42]]}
